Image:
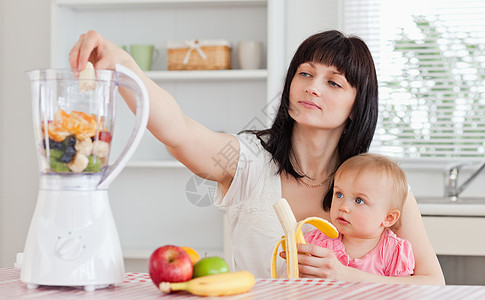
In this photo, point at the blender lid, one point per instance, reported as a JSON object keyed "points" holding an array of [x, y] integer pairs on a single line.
{"points": [[67, 74]]}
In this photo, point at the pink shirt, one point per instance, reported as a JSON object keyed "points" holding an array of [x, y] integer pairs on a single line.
{"points": [[392, 256]]}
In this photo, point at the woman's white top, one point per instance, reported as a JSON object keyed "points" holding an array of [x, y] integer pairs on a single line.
{"points": [[253, 225]]}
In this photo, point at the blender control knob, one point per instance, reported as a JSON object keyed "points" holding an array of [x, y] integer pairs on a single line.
{"points": [[69, 248]]}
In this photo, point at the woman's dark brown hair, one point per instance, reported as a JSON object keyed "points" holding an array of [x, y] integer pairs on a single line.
{"points": [[351, 57]]}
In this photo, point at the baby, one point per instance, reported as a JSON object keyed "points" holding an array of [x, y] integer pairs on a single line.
{"points": [[368, 197]]}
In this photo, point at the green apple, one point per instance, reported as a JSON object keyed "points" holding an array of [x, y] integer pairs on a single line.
{"points": [[209, 266]]}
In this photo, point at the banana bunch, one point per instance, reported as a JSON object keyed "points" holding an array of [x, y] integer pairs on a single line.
{"points": [[222, 284], [293, 236]]}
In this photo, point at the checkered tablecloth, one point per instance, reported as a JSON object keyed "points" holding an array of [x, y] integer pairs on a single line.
{"points": [[139, 286]]}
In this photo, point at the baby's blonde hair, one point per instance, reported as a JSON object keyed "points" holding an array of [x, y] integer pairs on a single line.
{"points": [[380, 165]]}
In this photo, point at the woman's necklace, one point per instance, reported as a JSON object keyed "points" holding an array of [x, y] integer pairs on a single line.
{"points": [[319, 184]]}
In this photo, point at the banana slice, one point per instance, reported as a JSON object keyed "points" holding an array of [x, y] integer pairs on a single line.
{"points": [[101, 149], [87, 78], [84, 146], [78, 164]]}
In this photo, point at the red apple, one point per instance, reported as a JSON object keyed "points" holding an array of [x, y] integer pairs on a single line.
{"points": [[170, 264]]}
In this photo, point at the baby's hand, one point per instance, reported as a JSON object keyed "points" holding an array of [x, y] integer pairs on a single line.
{"points": [[315, 261]]}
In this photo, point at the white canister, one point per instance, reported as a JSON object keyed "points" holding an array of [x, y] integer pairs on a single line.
{"points": [[250, 54]]}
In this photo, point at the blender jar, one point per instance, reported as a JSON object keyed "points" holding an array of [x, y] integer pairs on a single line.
{"points": [[73, 126]]}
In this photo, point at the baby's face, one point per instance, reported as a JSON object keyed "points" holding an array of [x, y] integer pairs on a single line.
{"points": [[361, 202]]}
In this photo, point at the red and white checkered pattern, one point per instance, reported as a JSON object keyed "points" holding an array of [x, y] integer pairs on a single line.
{"points": [[140, 286]]}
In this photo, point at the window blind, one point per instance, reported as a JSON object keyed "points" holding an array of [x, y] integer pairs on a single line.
{"points": [[430, 60]]}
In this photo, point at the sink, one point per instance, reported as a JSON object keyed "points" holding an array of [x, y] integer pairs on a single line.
{"points": [[440, 206], [442, 200]]}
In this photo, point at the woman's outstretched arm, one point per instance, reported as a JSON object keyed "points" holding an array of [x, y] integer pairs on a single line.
{"points": [[193, 144]]}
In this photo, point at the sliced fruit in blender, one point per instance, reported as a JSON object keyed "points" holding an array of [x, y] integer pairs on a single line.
{"points": [[55, 145], [57, 166], [105, 136], [72, 136], [58, 136], [76, 123], [68, 154], [94, 165], [84, 146], [78, 164], [70, 141], [55, 154], [101, 149]]}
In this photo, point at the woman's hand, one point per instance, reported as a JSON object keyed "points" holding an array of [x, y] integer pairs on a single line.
{"points": [[102, 53], [318, 262]]}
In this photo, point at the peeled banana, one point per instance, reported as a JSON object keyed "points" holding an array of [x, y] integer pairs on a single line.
{"points": [[293, 236], [222, 284], [87, 78]]}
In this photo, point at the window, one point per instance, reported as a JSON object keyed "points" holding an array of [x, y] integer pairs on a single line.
{"points": [[430, 59]]}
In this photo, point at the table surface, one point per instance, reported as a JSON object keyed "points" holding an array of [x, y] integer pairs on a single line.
{"points": [[139, 286]]}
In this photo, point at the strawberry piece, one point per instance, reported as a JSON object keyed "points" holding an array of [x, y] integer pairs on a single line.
{"points": [[105, 136]]}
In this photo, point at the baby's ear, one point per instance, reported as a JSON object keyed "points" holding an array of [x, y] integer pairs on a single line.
{"points": [[391, 218]]}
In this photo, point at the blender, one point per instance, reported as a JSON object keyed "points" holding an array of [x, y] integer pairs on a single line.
{"points": [[72, 239]]}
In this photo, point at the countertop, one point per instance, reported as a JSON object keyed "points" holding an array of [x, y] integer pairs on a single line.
{"points": [[463, 206], [139, 286], [452, 209]]}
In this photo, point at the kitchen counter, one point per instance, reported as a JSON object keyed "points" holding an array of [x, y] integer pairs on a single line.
{"points": [[438, 206], [139, 286], [452, 209]]}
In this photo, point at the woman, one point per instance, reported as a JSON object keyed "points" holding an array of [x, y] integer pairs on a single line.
{"points": [[328, 113]]}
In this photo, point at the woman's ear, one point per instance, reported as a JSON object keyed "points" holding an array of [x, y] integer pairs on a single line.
{"points": [[391, 218]]}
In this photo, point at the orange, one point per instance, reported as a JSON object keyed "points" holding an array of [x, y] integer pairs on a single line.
{"points": [[77, 122], [194, 256]]}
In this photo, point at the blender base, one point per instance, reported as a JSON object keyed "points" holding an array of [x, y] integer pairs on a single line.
{"points": [[72, 241], [87, 288]]}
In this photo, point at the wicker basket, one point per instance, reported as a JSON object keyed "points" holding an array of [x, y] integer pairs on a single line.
{"points": [[199, 55]]}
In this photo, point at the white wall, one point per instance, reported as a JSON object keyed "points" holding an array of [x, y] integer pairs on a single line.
{"points": [[307, 17], [2, 96], [25, 45]]}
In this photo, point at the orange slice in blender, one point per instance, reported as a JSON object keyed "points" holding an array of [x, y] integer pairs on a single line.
{"points": [[82, 124], [78, 123]]}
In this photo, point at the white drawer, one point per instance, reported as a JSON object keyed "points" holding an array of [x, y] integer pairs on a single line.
{"points": [[456, 235]]}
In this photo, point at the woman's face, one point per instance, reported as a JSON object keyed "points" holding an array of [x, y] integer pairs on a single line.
{"points": [[320, 97]]}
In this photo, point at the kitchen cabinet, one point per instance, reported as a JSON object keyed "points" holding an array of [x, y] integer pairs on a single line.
{"points": [[153, 198], [456, 235], [450, 225]]}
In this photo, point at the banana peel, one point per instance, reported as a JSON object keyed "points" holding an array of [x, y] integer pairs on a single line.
{"points": [[294, 235]]}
